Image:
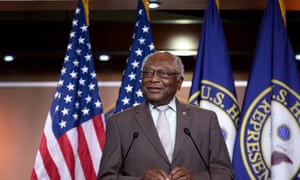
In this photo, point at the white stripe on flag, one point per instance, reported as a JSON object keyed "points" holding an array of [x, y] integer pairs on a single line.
{"points": [[39, 167], [55, 151], [72, 135], [94, 148]]}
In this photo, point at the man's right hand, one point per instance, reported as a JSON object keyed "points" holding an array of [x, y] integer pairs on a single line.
{"points": [[155, 174]]}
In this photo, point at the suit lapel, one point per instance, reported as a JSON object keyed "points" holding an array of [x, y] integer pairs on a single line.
{"points": [[144, 119], [183, 121]]}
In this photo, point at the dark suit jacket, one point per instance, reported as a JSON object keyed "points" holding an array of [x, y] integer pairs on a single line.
{"points": [[148, 153]]}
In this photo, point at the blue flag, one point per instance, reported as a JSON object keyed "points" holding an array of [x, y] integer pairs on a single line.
{"points": [[268, 141], [212, 84], [130, 93]]}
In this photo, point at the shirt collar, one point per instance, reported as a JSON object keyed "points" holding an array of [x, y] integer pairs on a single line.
{"points": [[172, 104]]}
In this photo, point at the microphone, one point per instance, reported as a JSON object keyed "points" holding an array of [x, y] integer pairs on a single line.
{"points": [[134, 136], [188, 133]]}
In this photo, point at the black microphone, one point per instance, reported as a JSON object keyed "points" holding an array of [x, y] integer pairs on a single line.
{"points": [[134, 136], [188, 133]]}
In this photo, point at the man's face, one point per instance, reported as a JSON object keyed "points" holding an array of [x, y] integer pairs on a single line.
{"points": [[159, 79]]}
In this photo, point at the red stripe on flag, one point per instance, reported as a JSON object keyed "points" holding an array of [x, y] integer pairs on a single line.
{"points": [[49, 164], [67, 152], [100, 130], [85, 156], [33, 175]]}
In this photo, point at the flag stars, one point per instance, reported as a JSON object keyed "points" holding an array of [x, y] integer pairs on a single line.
{"points": [[139, 52], [135, 103], [85, 111], [62, 124], [145, 29], [76, 98], [89, 45], [140, 11], [83, 28], [84, 69], [75, 22], [56, 108], [142, 40], [76, 62], [139, 93], [57, 95], [70, 87], [130, 94], [79, 93], [81, 40], [91, 86], [133, 37], [128, 88], [88, 57], [135, 64], [65, 111], [63, 71], [73, 74], [132, 76], [68, 99], [72, 34], [98, 104], [66, 59], [81, 81], [151, 46], [78, 52], [93, 74], [69, 47], [60, 83], [88, 99], [77, 11], [77, 105], [125, 100], [75, 116], [137, 25]]}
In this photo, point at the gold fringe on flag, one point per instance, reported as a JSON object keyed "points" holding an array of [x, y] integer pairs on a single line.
{"points": [[283, 11], [146, 4], [86, 10], [218, 4]]}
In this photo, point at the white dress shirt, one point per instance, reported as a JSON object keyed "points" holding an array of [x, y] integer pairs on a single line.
{"points": [[171, 115]]}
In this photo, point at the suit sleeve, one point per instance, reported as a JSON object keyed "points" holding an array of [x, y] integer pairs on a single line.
{"points": [[113, 154], [111, 158]]}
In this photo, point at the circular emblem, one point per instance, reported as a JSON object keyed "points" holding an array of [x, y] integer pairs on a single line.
{"points": [[270, 135], [218, 99]]}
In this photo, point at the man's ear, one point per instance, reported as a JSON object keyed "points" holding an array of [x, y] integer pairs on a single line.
{"points": [[180, 81]]}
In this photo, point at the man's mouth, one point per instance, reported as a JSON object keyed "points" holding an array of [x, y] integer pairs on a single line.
{"points": [[153, 89]]}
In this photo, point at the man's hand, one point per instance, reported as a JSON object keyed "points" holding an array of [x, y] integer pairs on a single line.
{"points": [[180, 173], [156, 174]]}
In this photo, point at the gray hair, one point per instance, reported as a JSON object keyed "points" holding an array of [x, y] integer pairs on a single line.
{"points": [[176, 59]]}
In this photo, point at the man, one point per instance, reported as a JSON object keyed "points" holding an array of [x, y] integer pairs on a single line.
{"points": [[134, 149]]}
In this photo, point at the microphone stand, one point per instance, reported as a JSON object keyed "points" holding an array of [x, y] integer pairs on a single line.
{"points": [[188, 133]]}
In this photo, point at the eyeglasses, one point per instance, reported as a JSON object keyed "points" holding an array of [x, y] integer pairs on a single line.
{"points": [[160, 73]]}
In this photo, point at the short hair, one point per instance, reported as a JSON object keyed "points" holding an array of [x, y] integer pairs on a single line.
{"points": [[176, 59]]}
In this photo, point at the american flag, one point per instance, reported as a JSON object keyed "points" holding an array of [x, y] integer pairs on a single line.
{"points": [[74, 133], [130, 93]]}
